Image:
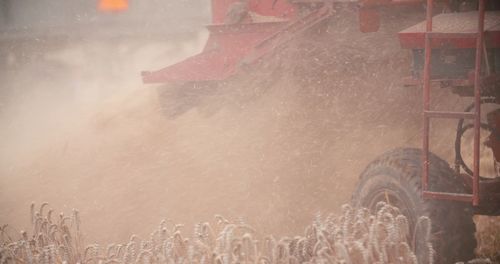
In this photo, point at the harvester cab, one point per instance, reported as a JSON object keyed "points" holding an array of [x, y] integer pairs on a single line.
{"points": [[457, 47]]}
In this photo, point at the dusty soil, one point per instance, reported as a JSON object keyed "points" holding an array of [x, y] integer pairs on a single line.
{"points": [[273, 147]]}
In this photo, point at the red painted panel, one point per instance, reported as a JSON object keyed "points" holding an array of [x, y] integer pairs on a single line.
{"points": [[278, 8], [453, 28], [219, 10]]}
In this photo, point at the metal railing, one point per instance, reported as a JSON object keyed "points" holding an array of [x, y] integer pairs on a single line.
{"points": [[428, 114]]}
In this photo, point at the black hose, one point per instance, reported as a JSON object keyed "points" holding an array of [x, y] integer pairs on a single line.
{"points": [[460, 132]]}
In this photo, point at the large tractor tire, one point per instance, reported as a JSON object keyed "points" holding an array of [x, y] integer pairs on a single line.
{"points": [[395, 178]]}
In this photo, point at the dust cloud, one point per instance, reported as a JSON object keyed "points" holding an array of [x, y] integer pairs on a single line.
{"points": [[273, 147]]}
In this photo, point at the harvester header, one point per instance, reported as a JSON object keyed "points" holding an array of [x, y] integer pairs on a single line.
{"points": [[245, 31]]}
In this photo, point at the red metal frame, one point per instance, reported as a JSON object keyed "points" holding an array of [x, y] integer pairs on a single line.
{"points": [[428, 114]]}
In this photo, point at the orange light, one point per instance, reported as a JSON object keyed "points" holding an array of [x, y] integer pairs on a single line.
{"points": [[112, 5]]}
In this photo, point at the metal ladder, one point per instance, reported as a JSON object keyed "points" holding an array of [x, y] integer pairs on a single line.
{"points": [[429, 114]]}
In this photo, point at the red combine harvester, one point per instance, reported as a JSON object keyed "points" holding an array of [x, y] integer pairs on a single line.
{"points": [[457, 49]]}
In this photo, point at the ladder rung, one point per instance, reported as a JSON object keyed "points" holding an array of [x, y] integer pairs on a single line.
{"points": [[451, 115], [439, 35], [448, 196]]}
